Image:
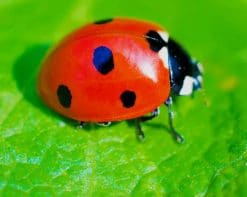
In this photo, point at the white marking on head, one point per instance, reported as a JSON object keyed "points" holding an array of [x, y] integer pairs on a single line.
{"points": [[164, 35], [187, 87], [163, 55]]}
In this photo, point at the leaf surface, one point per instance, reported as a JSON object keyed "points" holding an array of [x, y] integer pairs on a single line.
{"points": [[42, 153]]}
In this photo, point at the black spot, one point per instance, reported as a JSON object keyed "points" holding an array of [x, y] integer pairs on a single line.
{"points": [[64, 96], [155, 41], [128, 98], [103, 21], [103, 59]]}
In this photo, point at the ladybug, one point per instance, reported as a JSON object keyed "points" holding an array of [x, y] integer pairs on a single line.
{"points": [[117, 69]]}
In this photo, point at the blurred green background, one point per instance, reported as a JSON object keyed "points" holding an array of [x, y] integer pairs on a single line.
{"points": [[43, 154]]}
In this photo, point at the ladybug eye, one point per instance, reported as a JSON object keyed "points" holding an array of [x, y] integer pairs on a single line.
{"points": [[197, 83], [197, 75]]}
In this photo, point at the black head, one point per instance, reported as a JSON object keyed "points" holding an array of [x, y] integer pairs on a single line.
{"points": [[185, 73]]}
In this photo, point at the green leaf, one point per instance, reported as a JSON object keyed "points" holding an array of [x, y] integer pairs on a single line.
{"points": [[42, 153]]}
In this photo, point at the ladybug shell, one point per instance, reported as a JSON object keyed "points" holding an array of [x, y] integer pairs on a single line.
{"points": [[105, 71]]}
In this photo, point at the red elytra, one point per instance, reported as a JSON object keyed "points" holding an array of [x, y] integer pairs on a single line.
{"points": [[95, 97], [115, 70]]}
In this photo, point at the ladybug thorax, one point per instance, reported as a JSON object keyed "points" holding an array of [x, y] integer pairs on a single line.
{"points": [[185, 73]]}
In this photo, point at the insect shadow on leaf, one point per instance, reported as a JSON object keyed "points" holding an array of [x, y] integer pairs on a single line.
{"points": [[25, 72]]}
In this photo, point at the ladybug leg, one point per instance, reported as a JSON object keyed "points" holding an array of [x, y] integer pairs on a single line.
{"points": [[139, 131], [154, 114], [81, 125], [103, 124], [173, 131]]}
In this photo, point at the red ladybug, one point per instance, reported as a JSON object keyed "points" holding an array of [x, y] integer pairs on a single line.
{"points": [[117, 69]]}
